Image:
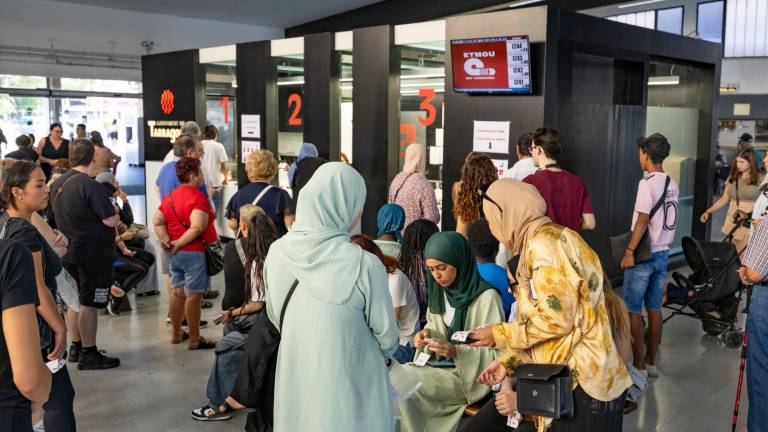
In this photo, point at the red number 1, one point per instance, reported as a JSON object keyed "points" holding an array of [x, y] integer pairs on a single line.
{"points": [[224, 102], [294, 99]]}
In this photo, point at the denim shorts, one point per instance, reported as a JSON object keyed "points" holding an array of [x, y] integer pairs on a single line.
{"points": [[188, 271], [644, 283]]}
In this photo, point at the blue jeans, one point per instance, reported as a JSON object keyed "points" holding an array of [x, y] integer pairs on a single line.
{"points": [[644, 283], [404, 354], [757, 359], [188, 271], [229, 352]]}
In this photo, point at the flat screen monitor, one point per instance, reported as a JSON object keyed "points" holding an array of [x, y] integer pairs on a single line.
{"points": [[491, 65]]}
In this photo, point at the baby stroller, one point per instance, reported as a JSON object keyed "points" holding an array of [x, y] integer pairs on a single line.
{"points": [[713, 291]]}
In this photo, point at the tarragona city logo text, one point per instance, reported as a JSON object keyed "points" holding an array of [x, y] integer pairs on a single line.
{"points": [[474, 66]]}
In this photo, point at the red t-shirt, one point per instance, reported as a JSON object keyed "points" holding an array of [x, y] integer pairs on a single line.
{"points": [[185, 200], [566, 196]]}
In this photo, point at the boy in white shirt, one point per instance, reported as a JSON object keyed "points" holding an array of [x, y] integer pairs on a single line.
{"points": [[656, 212]]}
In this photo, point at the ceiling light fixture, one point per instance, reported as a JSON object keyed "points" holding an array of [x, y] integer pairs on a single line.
{"points": [[523, 3], [664, 80], [640, 3]]}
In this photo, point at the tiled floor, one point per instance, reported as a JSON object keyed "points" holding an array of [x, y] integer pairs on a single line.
{"points": [[158, 384]]}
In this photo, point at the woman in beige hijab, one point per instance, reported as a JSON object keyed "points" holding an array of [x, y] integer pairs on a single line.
{"points": [[411, 190], [561, 315]]}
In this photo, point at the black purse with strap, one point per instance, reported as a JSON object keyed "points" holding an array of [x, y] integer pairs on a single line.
{"points": [[214, 253], [620, 243]]}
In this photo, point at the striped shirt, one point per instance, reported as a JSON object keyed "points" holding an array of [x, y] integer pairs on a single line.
{"points": [[756, 255]]}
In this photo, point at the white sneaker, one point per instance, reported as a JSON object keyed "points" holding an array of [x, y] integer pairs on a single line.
{"points": [[652, 371]]}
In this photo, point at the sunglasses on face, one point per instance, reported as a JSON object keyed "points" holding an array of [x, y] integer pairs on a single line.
{"points": [[481, 193]]}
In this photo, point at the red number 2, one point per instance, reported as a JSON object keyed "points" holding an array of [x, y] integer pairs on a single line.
{"points": [[295, 100], [428, 94]]}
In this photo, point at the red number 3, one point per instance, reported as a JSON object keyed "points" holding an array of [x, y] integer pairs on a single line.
{"points": [[295, 100], [426, 105]]}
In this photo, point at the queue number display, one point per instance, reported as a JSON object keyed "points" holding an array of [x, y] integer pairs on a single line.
{"points": [[491, 65]]}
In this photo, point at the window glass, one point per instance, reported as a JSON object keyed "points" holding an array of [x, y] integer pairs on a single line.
{"points": [[745, 34], [98, 85], [22, 82], [670, 20], [645, 19], [710, 21]]}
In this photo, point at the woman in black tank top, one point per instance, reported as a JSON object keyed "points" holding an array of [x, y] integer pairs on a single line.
{"points": [[52, 148]]}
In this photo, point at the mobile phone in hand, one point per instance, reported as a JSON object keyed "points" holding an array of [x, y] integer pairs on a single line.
{"points": [[219, 319]]}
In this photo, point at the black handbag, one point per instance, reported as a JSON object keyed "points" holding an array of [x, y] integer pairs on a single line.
{"points": [[544, 390], [620, 243], [214, 252]]}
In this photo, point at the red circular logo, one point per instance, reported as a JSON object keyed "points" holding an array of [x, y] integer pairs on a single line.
{"points": [[167, 101]]}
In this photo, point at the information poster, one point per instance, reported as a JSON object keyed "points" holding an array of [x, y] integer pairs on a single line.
{"points": [[250, 126], [491, 137], [248, 147], [502, 165]]}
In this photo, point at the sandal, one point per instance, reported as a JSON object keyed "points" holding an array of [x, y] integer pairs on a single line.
{"points": [[209, 413], [184, 336], [202, 344]]}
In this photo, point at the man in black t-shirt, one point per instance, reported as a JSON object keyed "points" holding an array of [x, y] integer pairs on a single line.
{"points": [[80, 208], [25, 151], [19, 339]]}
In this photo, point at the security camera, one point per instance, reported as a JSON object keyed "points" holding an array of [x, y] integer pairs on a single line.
{"points": [[148, 45]]}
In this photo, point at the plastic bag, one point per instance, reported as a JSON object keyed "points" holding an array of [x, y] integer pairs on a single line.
{"points": [[67, 286]]}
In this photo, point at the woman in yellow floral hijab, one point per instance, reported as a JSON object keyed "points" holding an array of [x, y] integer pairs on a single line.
{"points": [[561, 314]]}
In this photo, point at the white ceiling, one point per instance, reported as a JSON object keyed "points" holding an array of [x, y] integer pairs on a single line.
{"points": [[273, 13]]}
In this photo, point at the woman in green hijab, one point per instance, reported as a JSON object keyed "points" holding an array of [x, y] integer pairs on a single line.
{"points": [[459, 299]]}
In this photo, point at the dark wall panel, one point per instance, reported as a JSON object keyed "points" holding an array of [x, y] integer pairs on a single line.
{"points": [[256, 94], [322, 69], [758, 106], [179, 79], [524, 112], [375, 98]]}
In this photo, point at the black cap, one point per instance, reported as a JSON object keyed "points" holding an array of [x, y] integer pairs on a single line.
{"points": [[656, 146], [747, 138]]}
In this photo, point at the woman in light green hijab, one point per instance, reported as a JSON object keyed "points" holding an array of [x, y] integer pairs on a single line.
{"points": [[458, 300], [339, 325]]}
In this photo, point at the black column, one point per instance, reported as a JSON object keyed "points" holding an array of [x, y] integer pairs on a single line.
{"points": [[173, 93], [256, 94], [375, 97], [322, 69]]}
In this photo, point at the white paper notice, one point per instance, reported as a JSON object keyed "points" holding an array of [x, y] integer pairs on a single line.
{"points": [[250, 126], [435, 155], [248, 147], [502, 165], [491, 137]]}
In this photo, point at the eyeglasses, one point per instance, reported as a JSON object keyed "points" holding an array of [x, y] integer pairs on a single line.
{"points": [[481, 193]]}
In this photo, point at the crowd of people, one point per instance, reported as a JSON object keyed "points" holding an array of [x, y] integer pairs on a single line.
{"points": [[458, 312]]}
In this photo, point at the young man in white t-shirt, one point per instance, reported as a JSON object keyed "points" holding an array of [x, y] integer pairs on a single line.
{"points": [[214, 163], [644, 281]]}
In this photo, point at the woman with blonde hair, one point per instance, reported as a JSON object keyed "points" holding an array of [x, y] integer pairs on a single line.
{"points": [[261, 167], [477, 174]]}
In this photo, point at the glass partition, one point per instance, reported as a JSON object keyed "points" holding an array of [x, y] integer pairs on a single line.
{"points": [[345, 99], [422, 89], [290, 123], [23, 115], [220, 108], [674, 110]]}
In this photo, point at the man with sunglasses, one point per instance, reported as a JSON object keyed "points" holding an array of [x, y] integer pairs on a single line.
{"points": [[566, 195]]}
